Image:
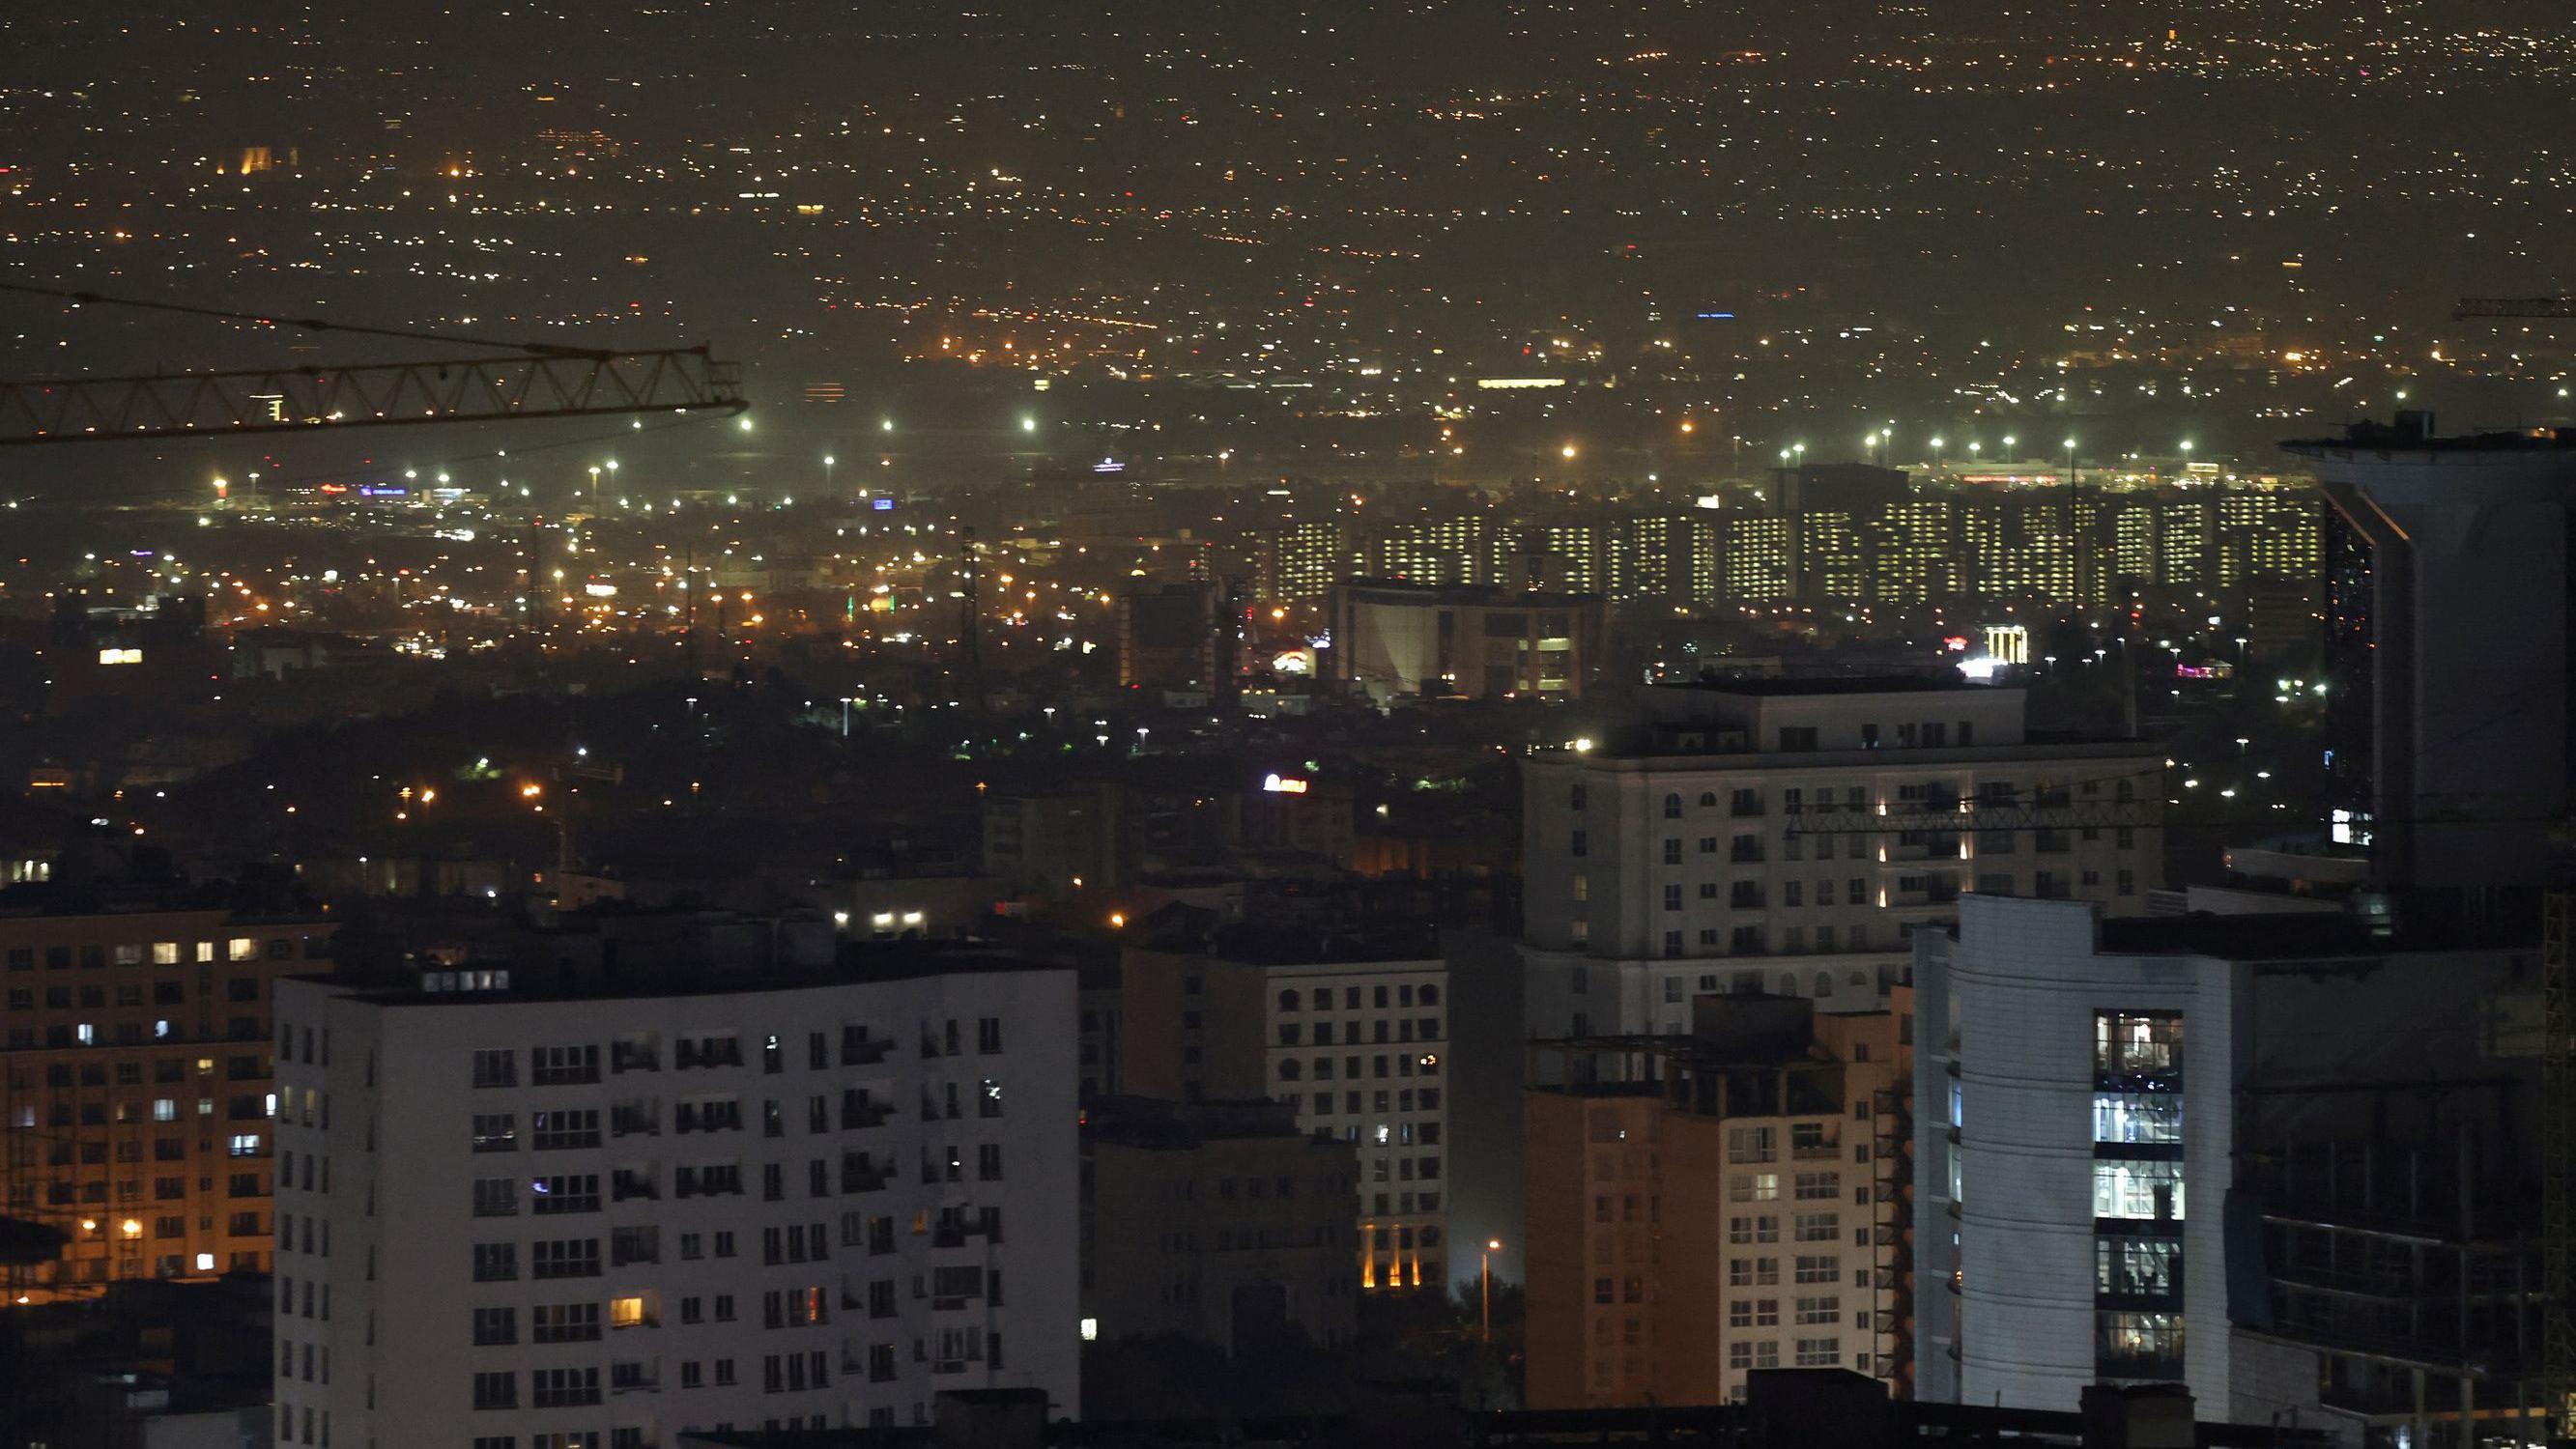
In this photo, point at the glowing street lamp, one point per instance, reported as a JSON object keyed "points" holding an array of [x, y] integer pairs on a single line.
{"points": [[1485, 1276]]}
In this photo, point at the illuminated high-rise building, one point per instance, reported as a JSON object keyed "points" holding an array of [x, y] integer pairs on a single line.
{"points": [[1305, 558], [1434, 551], [1830, 565], [1757, 561], [2183, 555], [1916, 557]]}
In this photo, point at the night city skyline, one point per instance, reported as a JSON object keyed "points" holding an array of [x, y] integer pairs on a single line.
{"points": [[1402, 723]]}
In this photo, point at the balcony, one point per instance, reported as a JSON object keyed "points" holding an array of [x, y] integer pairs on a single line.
{"points": [[860, 1111], [634, 1121], [624, 1185], [634, 1057], [858, 1174], [858, 1051], [631, 1378], [724, 1052]]}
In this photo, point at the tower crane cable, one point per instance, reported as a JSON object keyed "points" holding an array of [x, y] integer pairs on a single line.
{"points": [[311, 324], [513, 382]]}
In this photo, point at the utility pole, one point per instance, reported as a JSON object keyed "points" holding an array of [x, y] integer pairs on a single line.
{"points": [[970, 652]]}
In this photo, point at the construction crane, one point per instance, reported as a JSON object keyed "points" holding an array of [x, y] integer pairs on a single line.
{"points": [[520, 381], [2509, 307]]}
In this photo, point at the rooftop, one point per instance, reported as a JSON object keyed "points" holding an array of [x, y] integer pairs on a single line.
{"points": [[1868, 684], [1486, 595], [2412, 432], [856, 963]]}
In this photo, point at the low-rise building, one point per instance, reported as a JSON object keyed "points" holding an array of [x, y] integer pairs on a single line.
{"points": [[1217, 1220], [1479, 641]]}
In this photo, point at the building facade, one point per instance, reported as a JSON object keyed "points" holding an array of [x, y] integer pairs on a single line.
{"points": [[1790, 836], [1392, 639], [807, 1198], [1742, 1204], [135, 1087], [1220, 1221], [1353, 1038], [2283, 1159]]}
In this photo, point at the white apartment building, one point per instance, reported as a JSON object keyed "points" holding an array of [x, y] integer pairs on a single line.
{"points": [[599, 1212], [1791, 835], [1352, 1036], [2050, 1255], [1359, 1049]]}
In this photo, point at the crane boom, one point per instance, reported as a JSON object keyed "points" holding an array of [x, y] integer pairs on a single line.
{"points": [[2513, 307], [309, 398]]}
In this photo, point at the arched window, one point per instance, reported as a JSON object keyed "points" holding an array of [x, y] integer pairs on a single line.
{"points": [[1824, 983], [1860, 979], [1788, 983], [1708, 799], [1672, 807], [1288, 1000]]}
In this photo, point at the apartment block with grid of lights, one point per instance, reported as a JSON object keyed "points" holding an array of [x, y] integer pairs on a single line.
{"points": [[1738, 1197], [135, 1085], [595, 1209], [1350, 1032], [1790, 836]]}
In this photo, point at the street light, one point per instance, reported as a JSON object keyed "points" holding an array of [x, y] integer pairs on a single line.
{"points": [[1485, 1275], [827, 473], [594, 486], [1566, 452]]}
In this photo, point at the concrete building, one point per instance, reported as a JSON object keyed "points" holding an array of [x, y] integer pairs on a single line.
{"points": [[1350, 1033], [1176, 638], [1719, 1204], [1791, 835], [135, 1084], [1395, 639], [2332, 1129], [807, 1195], [1220, 1221], [1057, 842], [2450, 650]]}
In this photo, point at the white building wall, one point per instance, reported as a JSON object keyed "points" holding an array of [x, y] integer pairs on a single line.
{"points": [[2005, 1057], [1823, 899], [1391, 1020], [377, 1288]]}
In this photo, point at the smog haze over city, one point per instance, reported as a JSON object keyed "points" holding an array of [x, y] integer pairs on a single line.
{"points": [[661, 662]]}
